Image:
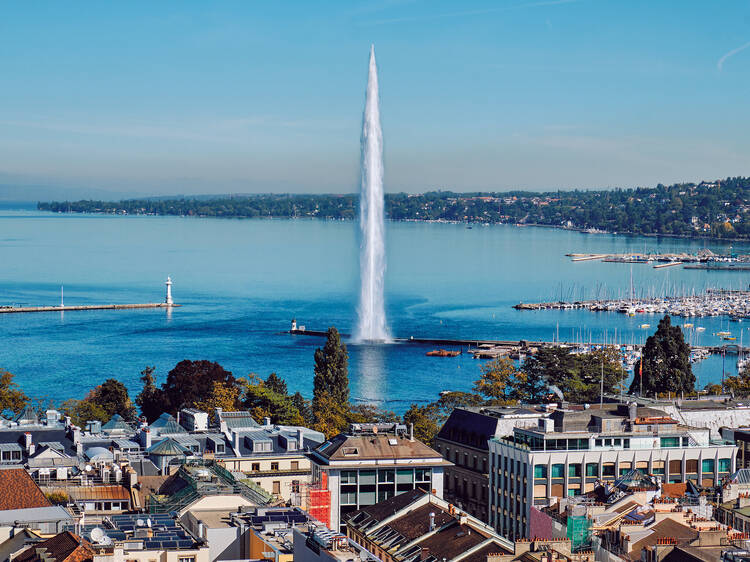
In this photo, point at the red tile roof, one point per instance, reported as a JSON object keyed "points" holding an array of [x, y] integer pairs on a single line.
{"points": [[65, 547], [673, 490], [19, 491]]}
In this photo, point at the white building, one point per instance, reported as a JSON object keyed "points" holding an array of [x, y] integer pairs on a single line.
{"points": [[571, 450]]}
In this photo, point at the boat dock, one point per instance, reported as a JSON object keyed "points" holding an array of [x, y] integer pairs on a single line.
{"points": [[703, 259], [20, 309]]}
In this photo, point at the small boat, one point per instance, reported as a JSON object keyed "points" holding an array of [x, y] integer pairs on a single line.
{"points": [[645, 326], [723, 334], [729, 338], [700, 329], [688, 325], [442, 353]]}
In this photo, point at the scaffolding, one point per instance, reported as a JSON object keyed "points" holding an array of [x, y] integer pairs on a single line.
{"points": [[579, 532]]}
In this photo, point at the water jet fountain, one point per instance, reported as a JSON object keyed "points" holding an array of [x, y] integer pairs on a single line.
{"points": [[371, 325]]}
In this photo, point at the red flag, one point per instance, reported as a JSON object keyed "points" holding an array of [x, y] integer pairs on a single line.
{"points": [[641, 368]]}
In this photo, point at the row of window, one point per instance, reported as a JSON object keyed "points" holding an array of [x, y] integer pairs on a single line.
{"points": [[387, 476], [460, 458], [608, 469], [294, 465]]}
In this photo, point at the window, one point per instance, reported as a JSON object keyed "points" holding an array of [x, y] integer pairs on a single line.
{"points": [[256, 467], [540, 471], [186, 559], [670, 441], [385, 476], [574, 470], [423, 475], [608, 469], [295, 486], [276, 487], [725, 465], [558, 471], [626, 443], [607, 442], [592, 469], [348, 476], [598, 442], [295, 465], [274, 466], [707, 465], [617, 442]]}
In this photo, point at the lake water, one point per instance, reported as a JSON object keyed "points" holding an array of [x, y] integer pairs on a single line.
{"points": [[242, 281]]}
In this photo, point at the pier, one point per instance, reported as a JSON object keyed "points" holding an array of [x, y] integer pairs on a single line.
{"points": [[168, 303], [485, 349], [64, 308]]}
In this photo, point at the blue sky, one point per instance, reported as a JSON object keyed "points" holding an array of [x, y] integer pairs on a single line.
{"points": [[202, 97]]}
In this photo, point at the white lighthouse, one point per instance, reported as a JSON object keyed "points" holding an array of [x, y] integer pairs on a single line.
{"points": [[168, 300]]}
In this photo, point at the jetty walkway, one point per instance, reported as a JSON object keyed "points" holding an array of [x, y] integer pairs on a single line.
{"points": [[20, 309], [515, 345]]}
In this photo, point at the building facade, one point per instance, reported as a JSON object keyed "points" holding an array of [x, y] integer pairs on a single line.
{"points": [[463, 440], [573, 449], [372, 463]]}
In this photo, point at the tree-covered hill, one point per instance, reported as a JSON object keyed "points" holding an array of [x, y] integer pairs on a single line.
{"points": [[718, 208]]}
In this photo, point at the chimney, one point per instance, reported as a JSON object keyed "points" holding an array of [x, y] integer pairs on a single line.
{"points": [[236, 440], [411, 432], [267, 421], [146, 437], [632, 411], [75, 434], [28, 441], [432, 521], [79, 448], [67, 421]]}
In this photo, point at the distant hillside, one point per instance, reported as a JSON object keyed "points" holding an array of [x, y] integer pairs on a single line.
{"points": [[718, 208]]}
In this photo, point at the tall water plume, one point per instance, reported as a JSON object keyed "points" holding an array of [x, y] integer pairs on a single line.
{"points": [[371, 325]]}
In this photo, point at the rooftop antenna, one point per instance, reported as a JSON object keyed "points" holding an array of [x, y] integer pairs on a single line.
{"points": [[62, 296]]}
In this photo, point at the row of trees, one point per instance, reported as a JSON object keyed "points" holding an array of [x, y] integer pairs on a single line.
{"points": [[679, 209]]}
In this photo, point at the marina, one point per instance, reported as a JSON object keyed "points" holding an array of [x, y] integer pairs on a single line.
{"points": [[713, 302]]}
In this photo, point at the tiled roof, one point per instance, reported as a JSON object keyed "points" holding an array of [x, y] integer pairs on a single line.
{"points": [[667, 528], [19, 491], [65, 547], [376, 447], [673, 490]]}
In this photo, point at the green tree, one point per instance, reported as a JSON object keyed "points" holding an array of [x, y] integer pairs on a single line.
{"points": [[11, 396], [425, 421], [277, 384], [82, 411], [331, 416], [331, 371], [496, 382], [739, 384], [113, 397], [263, 399], [192, 382], [666, 362], [149, 399]]}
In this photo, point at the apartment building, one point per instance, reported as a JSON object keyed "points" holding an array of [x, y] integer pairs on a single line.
{"points": [[576, 447]]}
